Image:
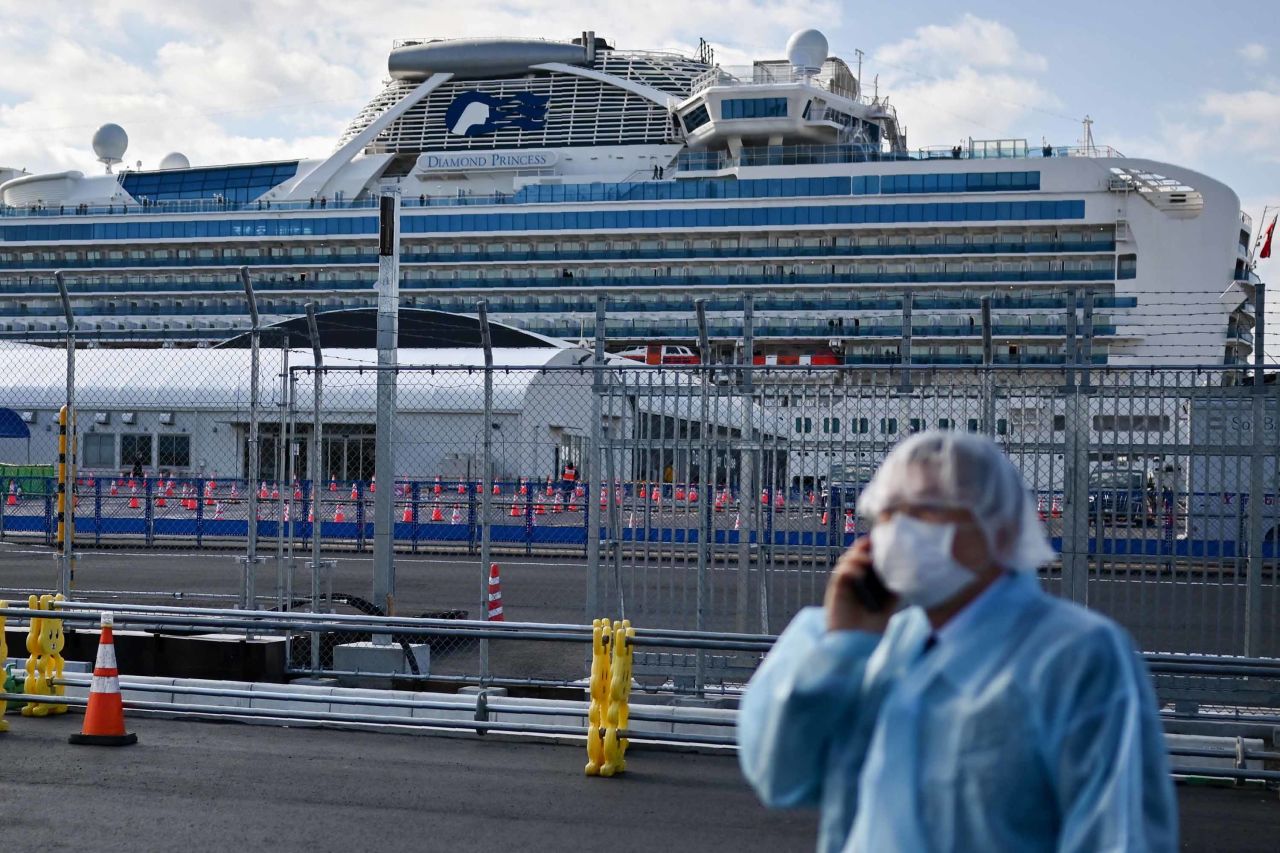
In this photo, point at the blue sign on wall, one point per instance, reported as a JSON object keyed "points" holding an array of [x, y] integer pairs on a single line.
{"points": [[479, 113]]}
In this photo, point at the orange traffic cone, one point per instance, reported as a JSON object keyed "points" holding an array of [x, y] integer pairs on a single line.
{"points": [[13, 494], [515, 511], [495, 594], [333, 485], [437, 514], [217, 511], [104, 718], [438, 487], [456, 516], [354, 496], [133, 499], [407, 517], [338, 515], [849, 526], [737, 521], [693, 495], [824, 518], [160, 499], [539, 508], [115, 488]]}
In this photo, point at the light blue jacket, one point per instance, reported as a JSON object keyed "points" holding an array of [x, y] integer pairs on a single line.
{"points": [[1031, 726]]}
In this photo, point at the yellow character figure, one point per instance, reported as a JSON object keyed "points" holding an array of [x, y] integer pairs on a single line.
{"points": [[625, 712], [599, 695], [34, 685], [55, 640]]}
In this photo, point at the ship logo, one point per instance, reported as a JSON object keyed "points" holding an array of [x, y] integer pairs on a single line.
{"points": [[479, 113]]}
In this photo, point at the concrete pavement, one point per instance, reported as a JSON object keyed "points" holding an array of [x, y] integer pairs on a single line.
{"points": [[216, 787]]}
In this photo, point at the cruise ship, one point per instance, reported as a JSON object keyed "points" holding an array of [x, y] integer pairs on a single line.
{"points": [[540, 174]]}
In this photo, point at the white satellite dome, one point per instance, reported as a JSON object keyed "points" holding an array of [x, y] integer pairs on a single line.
{"points": [[806, 51], [175, 160], [109, 143]]}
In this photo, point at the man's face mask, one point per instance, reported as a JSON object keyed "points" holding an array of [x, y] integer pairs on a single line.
{"points": [[913, 558]]}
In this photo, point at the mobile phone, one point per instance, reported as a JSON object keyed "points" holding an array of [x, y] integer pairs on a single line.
{"points": [[871, 592]]}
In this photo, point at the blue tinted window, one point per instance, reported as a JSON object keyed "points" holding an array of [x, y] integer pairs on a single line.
{"points": [[734, 108], [696, 117], [233, 183]]}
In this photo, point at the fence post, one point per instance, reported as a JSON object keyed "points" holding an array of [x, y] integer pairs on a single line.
{"points": [[705, 530], [283, 447], [1075, 502], [592, 467], [384, 468], [1086, 338], [1071, 348], [1253, 619], [486, 479], [746, 464], [248, 586], [67, 455]]}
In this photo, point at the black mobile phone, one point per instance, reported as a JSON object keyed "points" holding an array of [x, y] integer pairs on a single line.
{"points": [[871, 591]]}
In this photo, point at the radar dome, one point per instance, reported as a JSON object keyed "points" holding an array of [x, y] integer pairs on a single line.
{"points": [[175, 160], [807, 50], [109, 143]]}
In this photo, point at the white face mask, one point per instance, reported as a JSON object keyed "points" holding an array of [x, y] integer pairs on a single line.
{"points": [[913, 558]]}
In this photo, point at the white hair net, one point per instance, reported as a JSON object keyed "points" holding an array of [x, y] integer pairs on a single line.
{"points": [[958, 470]]}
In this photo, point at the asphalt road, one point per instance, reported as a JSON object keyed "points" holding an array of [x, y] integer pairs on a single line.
{"points": [[207, 787]]}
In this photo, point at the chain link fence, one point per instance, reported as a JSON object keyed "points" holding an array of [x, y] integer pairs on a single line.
{"points": [[699, 497]]}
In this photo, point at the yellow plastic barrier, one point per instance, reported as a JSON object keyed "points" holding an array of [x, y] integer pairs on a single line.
{"points": [[611, 657], [44, 662], [600, 637]]}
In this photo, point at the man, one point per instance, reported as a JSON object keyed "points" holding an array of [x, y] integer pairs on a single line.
{"points": [[983, 715]]}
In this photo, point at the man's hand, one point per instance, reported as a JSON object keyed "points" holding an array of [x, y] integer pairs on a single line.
{"points": [[844, 611]]}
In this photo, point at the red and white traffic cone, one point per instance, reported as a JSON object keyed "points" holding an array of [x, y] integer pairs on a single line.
{"points": [[437, 514], [849, 525], [355, 496], [407, 517], [115, 488], [824, 518], [438, 487], [104, 717], [495, 595], [133, 498], [456, 516], [217, 511], [333, 485], [515, 511], [338, 515], [737, 521]]}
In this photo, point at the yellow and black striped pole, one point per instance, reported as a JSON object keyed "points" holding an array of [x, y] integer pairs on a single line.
{"points": [[66, 489]]}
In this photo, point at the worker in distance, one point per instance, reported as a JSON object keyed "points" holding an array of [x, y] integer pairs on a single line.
{"points": [[940, 700]]}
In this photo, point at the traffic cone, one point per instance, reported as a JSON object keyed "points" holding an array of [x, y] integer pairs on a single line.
{"points": [[495, 595], [524, 488], [456, 516], [558, 504], [104, 717], [462, 488], [12, 500], [1040, 507], [737, 521], [549, 488], [297, 492], [437, 514], [275, 491], [354, 495], [824, 518], [497, 490], [407, 517], [338, 515], [849, 526], [539, 508], [160, 499], [373, 485], [262, 492], [657, 495], [235, 491], [780, 501], [643, 493], [437, 488], [115, 488], [679, 493], [333, 485], [217, 511], [1055, 506], [515, 511], [133, 498]]}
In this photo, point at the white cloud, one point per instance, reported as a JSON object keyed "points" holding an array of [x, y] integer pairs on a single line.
{"points": [[971, 78], [239, 80], [1253, 52]]}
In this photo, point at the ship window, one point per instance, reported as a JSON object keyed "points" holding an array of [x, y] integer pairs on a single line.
{"points": [[696, 118], [736, 108]]}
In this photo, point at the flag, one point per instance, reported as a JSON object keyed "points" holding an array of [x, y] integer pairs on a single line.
{"points": [[1266, 243]]}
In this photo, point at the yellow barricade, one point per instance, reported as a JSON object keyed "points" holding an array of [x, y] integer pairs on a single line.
{"points": [[45, 664], [611, 656]]}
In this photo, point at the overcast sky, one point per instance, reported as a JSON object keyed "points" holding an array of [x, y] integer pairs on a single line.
{"points": [[1185, 81]]}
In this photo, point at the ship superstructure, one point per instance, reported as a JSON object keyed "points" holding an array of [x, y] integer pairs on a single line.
{"points": [[542, 174]]}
